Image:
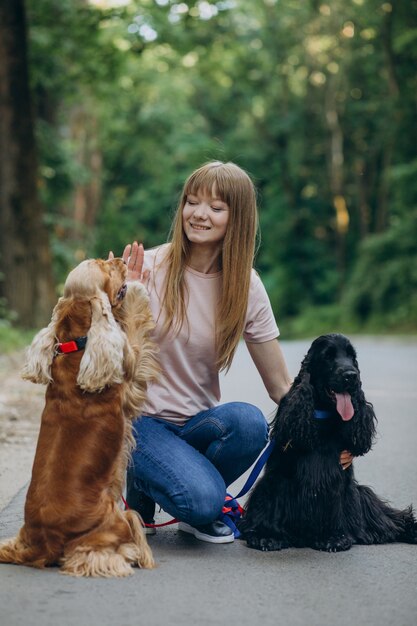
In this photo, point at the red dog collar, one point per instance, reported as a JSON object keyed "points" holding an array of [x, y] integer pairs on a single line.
{"points": [[71, 346]]}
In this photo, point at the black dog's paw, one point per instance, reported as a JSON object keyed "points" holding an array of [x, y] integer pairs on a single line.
{"points": [[266, 544], [334, 544]]}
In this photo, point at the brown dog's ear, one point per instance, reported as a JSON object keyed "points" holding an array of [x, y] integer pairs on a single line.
{"points": [[140, 363], [102, 361], [39, 355]]}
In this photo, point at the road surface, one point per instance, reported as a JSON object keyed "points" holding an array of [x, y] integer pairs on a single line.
{"points": [[204, 584]]}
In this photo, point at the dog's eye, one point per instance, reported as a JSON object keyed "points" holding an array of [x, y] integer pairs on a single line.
{"points": [[350, 353], [329, 352]]}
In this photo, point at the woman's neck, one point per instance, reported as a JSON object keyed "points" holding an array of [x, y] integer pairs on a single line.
{"points": [[205, 260]]}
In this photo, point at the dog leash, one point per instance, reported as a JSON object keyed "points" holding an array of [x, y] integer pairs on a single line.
{"points": [[257, 469], [232, 511]]}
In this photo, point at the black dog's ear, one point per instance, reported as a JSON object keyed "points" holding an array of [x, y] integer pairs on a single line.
{"points": [[303, 375], [294, 422], [363, 427]]}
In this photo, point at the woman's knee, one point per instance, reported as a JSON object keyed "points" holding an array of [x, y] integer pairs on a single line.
{"points": [[247, 422], [196, 503], [187, 486], [204, 506]]}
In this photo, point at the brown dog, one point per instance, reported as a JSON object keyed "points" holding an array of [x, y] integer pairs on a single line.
{"points": [[72, 512]]}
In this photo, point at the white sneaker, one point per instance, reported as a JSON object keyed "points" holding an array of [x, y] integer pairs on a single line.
{"points": [[215, 532]]}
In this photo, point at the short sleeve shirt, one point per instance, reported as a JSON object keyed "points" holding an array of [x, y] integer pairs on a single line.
{"points": [[189, 381]]}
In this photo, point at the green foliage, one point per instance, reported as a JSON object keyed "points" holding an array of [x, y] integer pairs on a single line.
{"points": [[383, 288], [13, 338], [315, 100], [318, 320]]}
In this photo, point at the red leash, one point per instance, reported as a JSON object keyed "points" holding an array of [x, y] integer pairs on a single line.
{"points": [[171, 521], [232, 510]]}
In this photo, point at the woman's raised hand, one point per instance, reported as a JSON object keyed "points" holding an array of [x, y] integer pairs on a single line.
{"points": [[133, 255]]}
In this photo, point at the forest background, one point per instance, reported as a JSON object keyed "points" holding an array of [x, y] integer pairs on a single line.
{"points": [[107, 106]]}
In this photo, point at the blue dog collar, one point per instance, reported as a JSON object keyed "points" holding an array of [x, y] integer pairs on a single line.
{"points": [[322, 415]]}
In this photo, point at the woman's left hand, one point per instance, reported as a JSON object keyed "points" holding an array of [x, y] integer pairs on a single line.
{"points": [[133, 255], [346, 459]]}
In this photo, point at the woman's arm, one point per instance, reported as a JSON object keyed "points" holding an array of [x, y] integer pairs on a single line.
{"points": [[270, 363]]}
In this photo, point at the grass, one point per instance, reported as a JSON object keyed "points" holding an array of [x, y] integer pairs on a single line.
{"points": [[328, 319], [12, 338]]}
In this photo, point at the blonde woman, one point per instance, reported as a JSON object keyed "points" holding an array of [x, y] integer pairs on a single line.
{"points": [[205, 296]]}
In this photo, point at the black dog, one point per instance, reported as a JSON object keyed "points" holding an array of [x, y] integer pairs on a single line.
{"points": [[305, 498]]}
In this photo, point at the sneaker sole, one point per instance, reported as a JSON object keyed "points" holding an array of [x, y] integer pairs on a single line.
{"points": [[186, 528], [149, 531]]}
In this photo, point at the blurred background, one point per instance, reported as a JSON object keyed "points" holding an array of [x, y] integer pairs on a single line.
{"points": [[106, 106]]}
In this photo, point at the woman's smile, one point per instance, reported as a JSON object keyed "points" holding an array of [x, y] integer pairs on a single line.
{"points": [[205, 213], [199, 226]]}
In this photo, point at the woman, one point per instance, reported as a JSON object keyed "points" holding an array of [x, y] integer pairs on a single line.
{"points": [[204, 296]]}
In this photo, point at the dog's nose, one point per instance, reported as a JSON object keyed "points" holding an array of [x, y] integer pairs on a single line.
{"points": [[350, 376]]}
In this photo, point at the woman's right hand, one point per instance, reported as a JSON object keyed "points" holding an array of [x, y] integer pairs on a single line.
{"points": [[133, 255]]}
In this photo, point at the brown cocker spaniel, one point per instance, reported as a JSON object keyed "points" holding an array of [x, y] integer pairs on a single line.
{"points": [[72, 512]]}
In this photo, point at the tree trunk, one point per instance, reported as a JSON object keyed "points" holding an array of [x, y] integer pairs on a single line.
{"points": [[25, 258], [394, 89], [336, 175], [87, 194]]}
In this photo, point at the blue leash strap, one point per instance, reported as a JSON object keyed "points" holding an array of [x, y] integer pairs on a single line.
{"points": [[257, 469], [232, 511]]}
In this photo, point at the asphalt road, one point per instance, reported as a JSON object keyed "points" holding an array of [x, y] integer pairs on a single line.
{"points": [[199, 583]]}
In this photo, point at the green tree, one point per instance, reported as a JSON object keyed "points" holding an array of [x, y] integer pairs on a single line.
{"points": [[316, 100], [25, 260]]}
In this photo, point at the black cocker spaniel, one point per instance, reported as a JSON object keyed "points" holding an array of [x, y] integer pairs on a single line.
{"points": [[305, 498]]}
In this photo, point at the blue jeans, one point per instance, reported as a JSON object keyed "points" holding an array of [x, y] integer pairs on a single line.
{"points": [[186, 469]]}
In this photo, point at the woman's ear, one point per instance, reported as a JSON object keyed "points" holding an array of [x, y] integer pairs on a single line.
{"points": [[102, 361], [39, 355]]}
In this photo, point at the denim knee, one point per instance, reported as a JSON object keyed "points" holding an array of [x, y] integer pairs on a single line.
{"points": [[198, 503], [205, 506], [248, 422], [244, 435]]}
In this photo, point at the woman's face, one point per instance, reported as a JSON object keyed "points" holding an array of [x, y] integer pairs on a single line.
{"points": [[205, 218]]}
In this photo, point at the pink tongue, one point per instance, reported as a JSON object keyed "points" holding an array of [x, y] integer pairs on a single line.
{"points": [[344, 406]]}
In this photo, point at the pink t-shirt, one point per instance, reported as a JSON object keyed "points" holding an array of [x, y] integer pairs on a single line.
{"points": [[189, 382]]}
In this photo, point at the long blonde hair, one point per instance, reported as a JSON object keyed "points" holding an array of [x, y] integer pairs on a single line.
{"points": [[233, 186]]}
